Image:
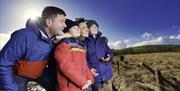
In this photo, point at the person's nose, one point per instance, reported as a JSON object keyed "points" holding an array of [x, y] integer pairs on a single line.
{"points": [[78, 29], [87, 30]]}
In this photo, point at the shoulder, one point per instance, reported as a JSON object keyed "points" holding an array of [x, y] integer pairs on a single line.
{"points": [[104, 39], [66, 40], [23, 33]]}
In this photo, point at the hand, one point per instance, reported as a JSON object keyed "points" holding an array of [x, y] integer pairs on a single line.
{"points": [[94, 72], [102, 58], [88, 83], [105, 59], [85, 87]]}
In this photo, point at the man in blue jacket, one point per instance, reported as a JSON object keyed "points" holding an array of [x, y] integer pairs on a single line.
{"points": [[99, 56], [27, 52]]}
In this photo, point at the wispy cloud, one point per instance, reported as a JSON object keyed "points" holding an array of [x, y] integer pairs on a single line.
{"points": [[176, 28], [157, 41], [149, 39], [147, 35]]}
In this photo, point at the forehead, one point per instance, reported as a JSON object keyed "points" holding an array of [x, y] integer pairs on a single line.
{"points": [[60, 17], [82, 24], [75, 27], [93, 25], [72, 28]]}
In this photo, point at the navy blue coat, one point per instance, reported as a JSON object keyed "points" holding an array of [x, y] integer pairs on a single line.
{"points": [[96, 49]]}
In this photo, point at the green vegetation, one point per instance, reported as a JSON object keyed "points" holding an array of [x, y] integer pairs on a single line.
{"points": [[148, 49]]}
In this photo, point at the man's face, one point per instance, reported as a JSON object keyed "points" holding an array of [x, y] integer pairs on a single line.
{"points": [[74, 31], [57, 25], [94, 29], [83, 29]]}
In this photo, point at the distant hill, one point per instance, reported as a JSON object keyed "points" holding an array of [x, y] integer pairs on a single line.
{"points": [[148, 49]]}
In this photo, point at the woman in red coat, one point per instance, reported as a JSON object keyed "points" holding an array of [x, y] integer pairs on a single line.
{"points": [[73, 73]]}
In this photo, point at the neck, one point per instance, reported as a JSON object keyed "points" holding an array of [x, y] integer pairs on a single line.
{"points": [[82, 38], [94, 36], [74, 36], [48, 32]]}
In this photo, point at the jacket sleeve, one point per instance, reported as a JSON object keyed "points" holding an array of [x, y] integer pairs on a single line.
{"points": [[66, 66], [87, 56], [12, 51], [90, 65], [109, 51], [89, 73]]}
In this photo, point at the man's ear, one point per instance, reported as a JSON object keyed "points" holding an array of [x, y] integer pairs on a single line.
{"points": [[48, 22]]}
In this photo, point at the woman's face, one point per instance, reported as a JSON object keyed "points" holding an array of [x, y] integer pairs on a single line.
{"points": [[74, 31], [94, 29]]}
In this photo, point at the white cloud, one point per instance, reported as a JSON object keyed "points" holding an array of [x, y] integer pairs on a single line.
{"points": [[117, 45], [172, 37], [147, 35], [178, 37], [157, 41], [161, 40], [126, 41], [175, 37], [4, 37]]}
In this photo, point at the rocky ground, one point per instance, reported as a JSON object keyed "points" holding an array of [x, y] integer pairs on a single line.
{"points": [[135, 77]]}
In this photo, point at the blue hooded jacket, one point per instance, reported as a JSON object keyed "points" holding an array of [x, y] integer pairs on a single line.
{"points": [[27, 52], [96, 49]]}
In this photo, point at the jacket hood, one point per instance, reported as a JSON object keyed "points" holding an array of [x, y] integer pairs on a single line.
{"points": [[38, 26], [35, 23]]}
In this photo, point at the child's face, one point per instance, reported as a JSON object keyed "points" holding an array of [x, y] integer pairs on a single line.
{"points": [[93, 29], [74, 31]]}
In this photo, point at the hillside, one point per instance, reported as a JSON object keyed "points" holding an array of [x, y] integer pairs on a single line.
{"points": [[148, 49]]}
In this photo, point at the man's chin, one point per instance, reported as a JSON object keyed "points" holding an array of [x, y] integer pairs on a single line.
{"points": [[59, 33], [85, 36]]}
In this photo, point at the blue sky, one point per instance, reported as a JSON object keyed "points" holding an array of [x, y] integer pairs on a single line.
{"points": [[125, 22]]}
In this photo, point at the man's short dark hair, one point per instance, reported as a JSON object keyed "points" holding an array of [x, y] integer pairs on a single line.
{"points": [[50, 11], [80, 20]]}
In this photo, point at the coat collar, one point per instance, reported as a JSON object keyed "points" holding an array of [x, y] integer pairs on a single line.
{"points": [[38, 28], [97, 35]]}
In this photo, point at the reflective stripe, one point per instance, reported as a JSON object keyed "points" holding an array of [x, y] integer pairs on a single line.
{"points": [[77, 49]]}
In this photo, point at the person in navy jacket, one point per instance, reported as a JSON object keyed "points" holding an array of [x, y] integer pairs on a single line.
{"points": [[99, 56], [26, 54]]}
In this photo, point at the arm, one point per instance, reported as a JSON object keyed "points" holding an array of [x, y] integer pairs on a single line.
{"points": [[109, 51], [13, 50]]}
